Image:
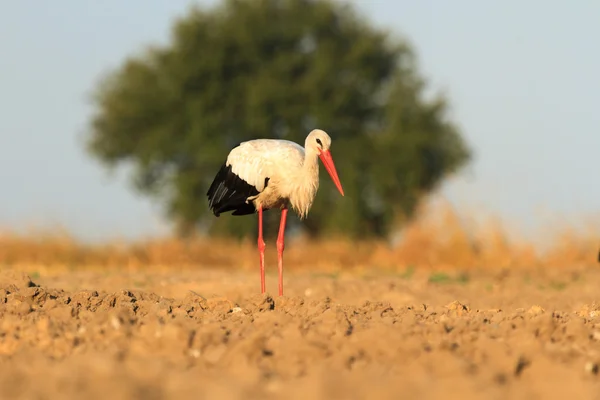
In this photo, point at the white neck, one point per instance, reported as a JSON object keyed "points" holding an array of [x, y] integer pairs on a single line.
{"points": [[307, 183], [310, 168]]}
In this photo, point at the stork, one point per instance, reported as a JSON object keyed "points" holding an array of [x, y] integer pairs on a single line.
{"points": [[264, 174]]}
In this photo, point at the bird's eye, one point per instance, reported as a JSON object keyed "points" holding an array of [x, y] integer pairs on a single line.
{"points": [[319, 142]]}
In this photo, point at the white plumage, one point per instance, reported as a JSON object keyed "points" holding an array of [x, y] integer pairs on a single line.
{"points": [[255, 160], [264, 174]]}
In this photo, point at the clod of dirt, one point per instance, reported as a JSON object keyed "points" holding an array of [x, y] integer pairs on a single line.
{"points": [[536, 310], [219, 304], [457, 308], [589, 311], [260, 303], [18, 307], [18, 280]]}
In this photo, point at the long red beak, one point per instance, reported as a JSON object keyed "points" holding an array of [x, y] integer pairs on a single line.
{"points": [[325, 157]]}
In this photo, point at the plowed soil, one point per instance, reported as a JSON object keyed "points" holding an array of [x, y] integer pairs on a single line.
{"points": [[195, 334]]}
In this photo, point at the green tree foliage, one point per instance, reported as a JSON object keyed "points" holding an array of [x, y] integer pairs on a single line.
{"points": [[248, 69]]}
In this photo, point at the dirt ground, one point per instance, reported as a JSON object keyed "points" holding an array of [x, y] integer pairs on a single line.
{"points": [[209, 334]]}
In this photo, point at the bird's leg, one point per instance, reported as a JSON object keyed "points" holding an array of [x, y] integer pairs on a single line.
{"points": [[261, 250], [280, 247]]}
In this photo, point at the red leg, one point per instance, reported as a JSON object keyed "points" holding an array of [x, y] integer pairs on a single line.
{"points": [[280, 247], [261, 250]]}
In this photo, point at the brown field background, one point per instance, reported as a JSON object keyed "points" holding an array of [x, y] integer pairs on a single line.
{"points": [[439, 238], [459, 307]]}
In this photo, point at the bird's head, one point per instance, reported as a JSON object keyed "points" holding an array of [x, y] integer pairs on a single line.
{"points": [[320, 142]]}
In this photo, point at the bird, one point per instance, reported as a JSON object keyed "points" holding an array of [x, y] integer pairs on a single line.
{"points": [[263, 174]]}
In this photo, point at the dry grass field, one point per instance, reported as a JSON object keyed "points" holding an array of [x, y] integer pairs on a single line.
{"points": [[450, 311]]}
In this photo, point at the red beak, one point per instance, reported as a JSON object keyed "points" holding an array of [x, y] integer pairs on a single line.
{"points": [[325, 157]]}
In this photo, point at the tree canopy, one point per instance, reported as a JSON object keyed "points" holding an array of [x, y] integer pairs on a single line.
{"points": [[248, 69]]}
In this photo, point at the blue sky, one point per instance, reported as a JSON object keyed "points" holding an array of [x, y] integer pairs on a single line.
{"points": [[521, 76]]}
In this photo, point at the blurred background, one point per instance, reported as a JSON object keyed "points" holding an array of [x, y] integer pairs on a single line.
{"points": [[463, 133]]}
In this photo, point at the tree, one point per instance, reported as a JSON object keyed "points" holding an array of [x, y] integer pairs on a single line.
{"points": [[277, 68]]}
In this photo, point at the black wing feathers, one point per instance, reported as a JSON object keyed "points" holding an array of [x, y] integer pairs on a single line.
{"points": [[229, 192]]}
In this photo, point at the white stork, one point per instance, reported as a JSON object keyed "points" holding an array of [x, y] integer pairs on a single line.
{"points": [[265, 174]]}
